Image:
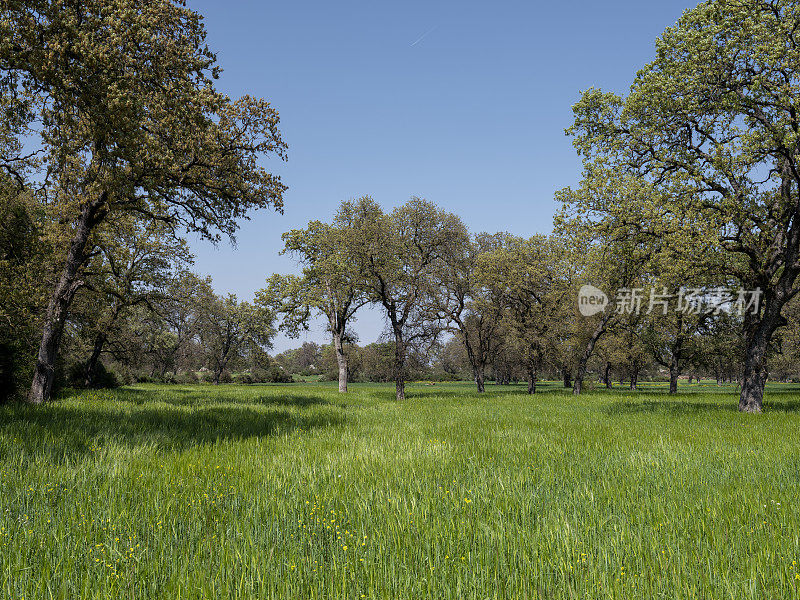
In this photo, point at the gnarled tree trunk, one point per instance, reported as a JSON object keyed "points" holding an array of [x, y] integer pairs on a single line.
{"points": [[634, 374], [61, 299], [607, 375], [674, 373], [532, 381], [751, 398]]}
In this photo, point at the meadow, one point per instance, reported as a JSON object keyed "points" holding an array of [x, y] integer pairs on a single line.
{"points": [[295, 491]]}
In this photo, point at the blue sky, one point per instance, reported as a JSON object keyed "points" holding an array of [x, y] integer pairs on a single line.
{"points": [[462, 103]]}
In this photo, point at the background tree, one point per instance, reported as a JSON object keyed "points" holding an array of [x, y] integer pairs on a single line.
{"points": [[228, 328], [134, 265], [618, 237], [397, 257], [469, 300], [534, 292], [329, 285]]}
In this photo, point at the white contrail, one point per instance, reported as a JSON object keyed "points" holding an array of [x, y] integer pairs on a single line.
{"points": [[423, 36]]}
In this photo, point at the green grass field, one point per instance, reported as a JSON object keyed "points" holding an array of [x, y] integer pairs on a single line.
{"points": [[295, 491]]}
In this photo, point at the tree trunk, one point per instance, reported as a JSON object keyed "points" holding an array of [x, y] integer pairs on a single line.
{"points": [[479, 378], [674, 372], [399, 366], [532, 381], [587, 353], [751, 398], [341, 359], [91, 364], [60, 301], [566, 376], [607, 376], [399, 388], [634, 377]]}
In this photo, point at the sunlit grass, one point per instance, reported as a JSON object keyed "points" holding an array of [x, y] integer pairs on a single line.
{"points": [[295, 491]]}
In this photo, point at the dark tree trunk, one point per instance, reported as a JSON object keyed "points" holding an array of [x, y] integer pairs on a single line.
{"points": [[90, 377], [399, 388], [566, 376], [587, 353], [607, 375], [751, 398], [341, 360], [674, 372], [60, 301], [532, 381], [480, 379], [633, 373], [478, 364], [399, 366], [758, 332]]}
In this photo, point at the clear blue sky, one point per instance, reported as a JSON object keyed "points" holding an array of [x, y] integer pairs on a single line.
{"points": [[462, 103]]}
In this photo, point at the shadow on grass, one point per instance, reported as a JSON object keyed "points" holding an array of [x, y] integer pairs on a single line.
{"points": [[200, 395], [687, 405], [61, 431], [673, 406]]}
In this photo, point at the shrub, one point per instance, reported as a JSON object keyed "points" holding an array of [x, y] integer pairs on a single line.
{"points": [[104, 378], [277, 375], [187, 377], [243, 378]]}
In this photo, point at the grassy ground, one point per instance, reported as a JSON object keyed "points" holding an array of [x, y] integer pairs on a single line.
{"points": [[294, 491]]}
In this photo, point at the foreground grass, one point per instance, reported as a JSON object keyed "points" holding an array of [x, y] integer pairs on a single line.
{"points": [[297, 492]]}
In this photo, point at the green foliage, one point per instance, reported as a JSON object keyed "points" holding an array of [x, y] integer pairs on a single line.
{"points": [[132, 115], [23, 275], [710, 130], [229, 329], [399, 258]]}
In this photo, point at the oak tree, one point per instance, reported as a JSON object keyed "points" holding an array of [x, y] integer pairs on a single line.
{"points": [[118, 101]]}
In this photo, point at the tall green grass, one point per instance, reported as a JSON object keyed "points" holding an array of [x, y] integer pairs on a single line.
{"points": [[295, 491]]}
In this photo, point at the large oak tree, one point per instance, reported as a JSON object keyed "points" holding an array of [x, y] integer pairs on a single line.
{"points": [[118, 102], [715, 121]]}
